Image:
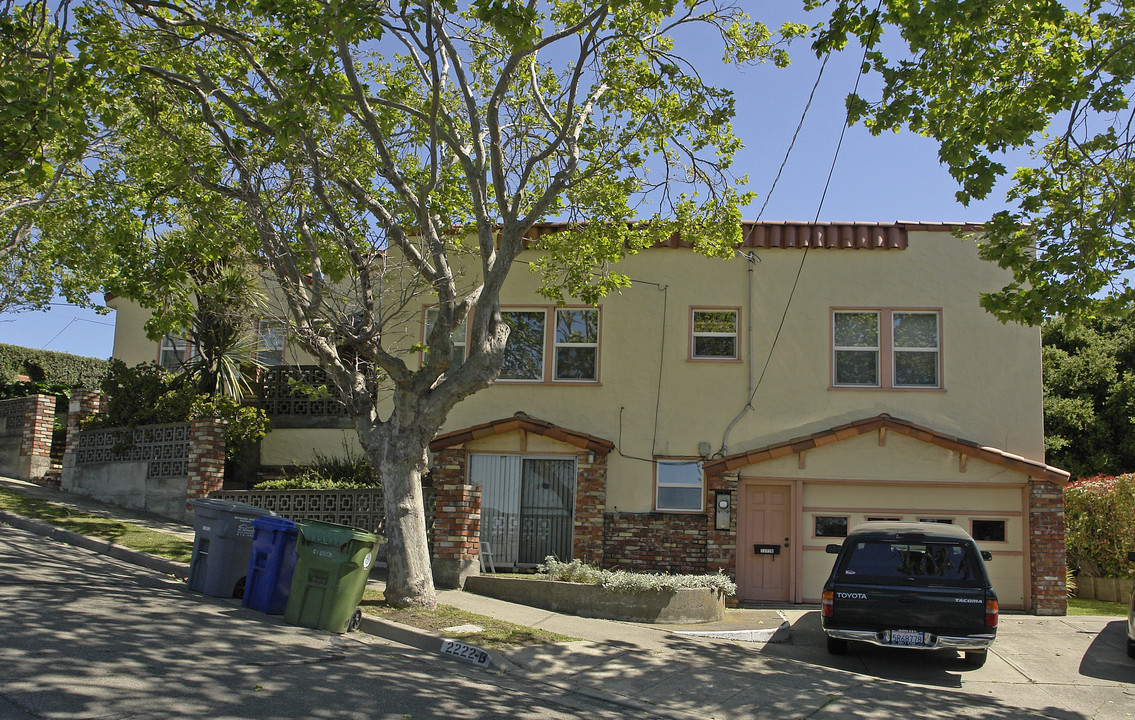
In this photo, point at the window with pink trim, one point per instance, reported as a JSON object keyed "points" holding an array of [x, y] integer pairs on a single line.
{"points": [[884, 348]]}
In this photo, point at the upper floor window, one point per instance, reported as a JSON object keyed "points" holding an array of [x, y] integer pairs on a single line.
{"points": [[270, 336], [713, 334], [678, 486], [457, 356], [524, 354], [173, 353], [574, 345], [577, 344], [886, 348]]}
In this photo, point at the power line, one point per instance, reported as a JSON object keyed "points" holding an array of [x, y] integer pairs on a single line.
{"points": [[819, 208]]}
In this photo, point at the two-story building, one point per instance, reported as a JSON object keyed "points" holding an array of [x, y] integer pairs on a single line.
{"points": [[742, 414]]}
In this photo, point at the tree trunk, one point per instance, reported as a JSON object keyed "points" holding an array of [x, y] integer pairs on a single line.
{"points": [[400, 461]]}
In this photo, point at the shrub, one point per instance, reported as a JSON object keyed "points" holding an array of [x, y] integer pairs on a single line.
{"points": [[50, 367], [1099, 520], [632, 582], [350, 471], [147, 394]]}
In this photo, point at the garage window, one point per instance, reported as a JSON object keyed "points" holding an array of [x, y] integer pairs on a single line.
{"points": [[988, 530], [944, 521], [830, 526]]}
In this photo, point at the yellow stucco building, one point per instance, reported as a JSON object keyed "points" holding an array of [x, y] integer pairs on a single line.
{"points": [[741, 414]]}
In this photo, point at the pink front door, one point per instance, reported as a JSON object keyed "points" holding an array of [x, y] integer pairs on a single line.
{"points": [[764, 524]]}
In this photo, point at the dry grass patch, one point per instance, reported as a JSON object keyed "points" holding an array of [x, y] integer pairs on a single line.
{"points": [[97, 526], [497, 634]]}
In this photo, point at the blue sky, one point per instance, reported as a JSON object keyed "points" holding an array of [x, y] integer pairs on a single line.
{"points": [[883, 179]]}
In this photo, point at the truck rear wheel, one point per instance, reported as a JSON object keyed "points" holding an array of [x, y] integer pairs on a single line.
{"points": [[837, 646], [976, 658]]}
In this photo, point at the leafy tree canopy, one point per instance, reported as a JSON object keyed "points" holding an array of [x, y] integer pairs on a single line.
{"points": [[371, 156], [1089, 395], [982, 78]]}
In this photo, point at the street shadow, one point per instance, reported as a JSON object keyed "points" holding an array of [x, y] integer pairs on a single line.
{"points": [[1106, 658], [721, 678], [86, 637]]}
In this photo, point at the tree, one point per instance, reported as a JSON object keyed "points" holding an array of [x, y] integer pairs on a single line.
{"points": [[1089, 395], [983, 78], [378, 152], [49, 126]]}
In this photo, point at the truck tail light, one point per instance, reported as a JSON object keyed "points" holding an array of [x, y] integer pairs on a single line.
{"points": [[990, 613], [827, 604]]}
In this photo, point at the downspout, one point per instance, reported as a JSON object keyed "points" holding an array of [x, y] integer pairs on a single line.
{"points": [[753, 260]]}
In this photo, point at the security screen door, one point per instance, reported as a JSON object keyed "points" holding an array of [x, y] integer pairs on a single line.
{"points": [[526, 506]]}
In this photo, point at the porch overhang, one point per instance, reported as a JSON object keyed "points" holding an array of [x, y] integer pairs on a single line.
{"points": [[885, 422], [520, 421]]}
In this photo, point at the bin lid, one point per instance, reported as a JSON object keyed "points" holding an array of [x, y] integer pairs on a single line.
{"points": [[325, 533], [229, 506], [274, 522]]}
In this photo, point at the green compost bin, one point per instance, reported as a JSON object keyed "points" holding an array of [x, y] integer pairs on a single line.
{"points": [[332, 565]]}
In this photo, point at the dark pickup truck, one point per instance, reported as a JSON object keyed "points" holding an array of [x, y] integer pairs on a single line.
{"points": [[911, 585]]}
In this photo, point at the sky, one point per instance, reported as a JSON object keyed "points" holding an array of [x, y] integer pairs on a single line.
{"points": [[888, 178]]}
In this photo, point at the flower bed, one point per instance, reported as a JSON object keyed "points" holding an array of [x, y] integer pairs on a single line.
{"points": [[577, 589]]}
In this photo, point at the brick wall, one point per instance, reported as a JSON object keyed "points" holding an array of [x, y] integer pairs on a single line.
{"points": [[655, 542], [206, 467], [27, 425], [721, 545], [457, 520], [590, 502], [1046, 544]]}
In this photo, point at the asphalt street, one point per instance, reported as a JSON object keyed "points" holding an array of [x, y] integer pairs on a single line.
{"points": [[84, 636]]}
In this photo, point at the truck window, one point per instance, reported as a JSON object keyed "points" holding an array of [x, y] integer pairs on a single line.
{"points": [[935, 562]]}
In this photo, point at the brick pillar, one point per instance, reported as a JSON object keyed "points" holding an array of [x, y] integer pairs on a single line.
{"points": [[590, 504], [206, 466], [83, 403], [35, 440], [457, 520], [1048, 558], [721, 545]]}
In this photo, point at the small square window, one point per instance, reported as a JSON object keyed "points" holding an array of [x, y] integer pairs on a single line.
{"points": [[270, 336], [828, 526], [679, 485], [173, 353], [713, 334], [988, 530]]}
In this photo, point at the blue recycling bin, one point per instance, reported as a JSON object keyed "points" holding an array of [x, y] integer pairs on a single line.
{"points": [[271, 564]]}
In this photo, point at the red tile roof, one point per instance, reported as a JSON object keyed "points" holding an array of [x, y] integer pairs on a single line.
{"points": [[520, 421], [793, 234], [993, 455]]}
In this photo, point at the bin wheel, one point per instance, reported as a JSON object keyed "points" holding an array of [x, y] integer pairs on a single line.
{"points": [[356, 621], [238, 590]]}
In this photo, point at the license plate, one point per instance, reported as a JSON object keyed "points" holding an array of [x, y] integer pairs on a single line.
{"points": [[908, 638]]}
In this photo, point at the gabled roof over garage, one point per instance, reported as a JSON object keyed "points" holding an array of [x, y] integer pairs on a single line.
{"points": [[520, 421], [886, 423]]}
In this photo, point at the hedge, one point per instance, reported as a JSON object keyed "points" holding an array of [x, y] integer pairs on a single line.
{"points": [[1099, 520], [50, 367]]}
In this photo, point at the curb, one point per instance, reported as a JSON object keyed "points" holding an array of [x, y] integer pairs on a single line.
{"points": [[776, 635], [430, 642], [102, 547]]}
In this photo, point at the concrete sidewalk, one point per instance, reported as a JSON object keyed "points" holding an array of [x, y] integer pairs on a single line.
{"points": [[605, 648]]}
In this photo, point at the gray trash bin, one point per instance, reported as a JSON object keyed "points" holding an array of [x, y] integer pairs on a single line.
{"points": [[221, 545]]}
